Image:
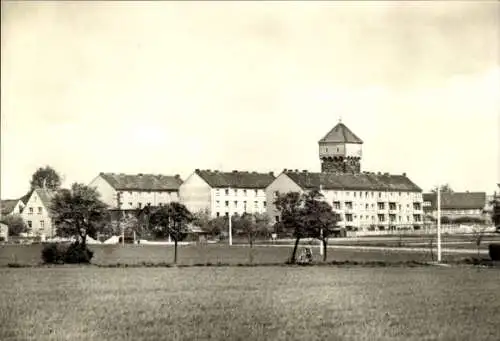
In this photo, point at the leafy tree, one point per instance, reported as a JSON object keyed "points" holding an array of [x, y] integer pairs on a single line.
{"points": [[78, 212], [319, 218], [495, 214], [15, 223], [216, 226], [172, 220], [444, 189], [290, 206], [251, 226], [45, 177]]}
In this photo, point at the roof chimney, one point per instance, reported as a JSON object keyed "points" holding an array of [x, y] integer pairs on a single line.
{"points": [[271, 173], [140, 174], [235, 171], [177, 176], [304, 171], [101, 173], [404, 174], [197, 170]]}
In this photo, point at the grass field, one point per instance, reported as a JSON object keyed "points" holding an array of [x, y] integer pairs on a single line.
{"points": [[261, 303], [219, 253]]}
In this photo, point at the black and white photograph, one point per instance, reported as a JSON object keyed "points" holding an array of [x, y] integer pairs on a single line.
{"points": [[250, 170]]}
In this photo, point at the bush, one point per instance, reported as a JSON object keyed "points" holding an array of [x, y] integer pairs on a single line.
{"points": [[75, 253], [53, 254], [494, 250]]}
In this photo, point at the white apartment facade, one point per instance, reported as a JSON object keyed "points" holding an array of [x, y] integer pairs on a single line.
{"points": [[134, 191], [225, 193], [363, 201]]}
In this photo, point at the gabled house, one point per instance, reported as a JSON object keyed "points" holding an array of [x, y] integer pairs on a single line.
{"points": [[37, 214], [225, 193], [362, 201], [456, 204], [13, 206], [134, 191]]}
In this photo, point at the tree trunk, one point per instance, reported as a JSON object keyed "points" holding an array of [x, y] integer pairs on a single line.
{"points": [[175, 251], [325, 247], [250, 240], [294, 252]]}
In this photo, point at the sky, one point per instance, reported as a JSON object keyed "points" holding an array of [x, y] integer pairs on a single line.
{"points": [[168, 87]]}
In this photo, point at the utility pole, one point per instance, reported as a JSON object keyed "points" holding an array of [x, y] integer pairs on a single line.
{"points": [[119, 205], [439, 224], [230, 222]]}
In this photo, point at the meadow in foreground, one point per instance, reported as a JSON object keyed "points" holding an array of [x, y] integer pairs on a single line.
{"points": [[261, 303]]}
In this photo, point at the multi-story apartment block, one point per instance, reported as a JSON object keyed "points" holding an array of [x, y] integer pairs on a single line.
{"points": [[362, 201], [130, 192], [457, 204], [225, 193], [37, 214]]}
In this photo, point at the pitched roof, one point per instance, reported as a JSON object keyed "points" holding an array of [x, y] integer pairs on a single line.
{"points": [[8, 205], [45, 196], [236, 179], [341, 134], [142, 182], [358, 182], [458, 200]]}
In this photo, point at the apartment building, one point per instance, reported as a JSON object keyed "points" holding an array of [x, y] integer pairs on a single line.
{"points": [[134, 191], [362, 201], [225, 193], [456, 204]]}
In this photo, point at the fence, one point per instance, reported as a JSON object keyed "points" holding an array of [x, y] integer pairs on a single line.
{"points": [[426, 229]]}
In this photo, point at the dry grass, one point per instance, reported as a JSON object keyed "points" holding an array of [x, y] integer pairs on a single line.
{"points": [[262, 303]]}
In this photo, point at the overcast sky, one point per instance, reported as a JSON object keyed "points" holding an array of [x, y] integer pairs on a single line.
{"points": [[167, 87]]}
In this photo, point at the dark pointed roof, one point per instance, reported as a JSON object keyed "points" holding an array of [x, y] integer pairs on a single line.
{"points": [[236, 179], [341, 134], [142, 182], [355, 182]]}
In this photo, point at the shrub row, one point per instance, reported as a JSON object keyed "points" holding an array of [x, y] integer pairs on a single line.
{"points": [[74, 253]]}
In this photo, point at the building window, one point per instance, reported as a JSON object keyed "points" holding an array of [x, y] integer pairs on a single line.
{"points": [[227, 215], [348, 205], [380, 194], [417, 217], [392, 217], [235, 204], [39, 210], [140, 205], [381, 217], [366, 206], [30, 210], [217, 214], [227, 203], [130, 204], [348, 217], [277, 218], [217, 193], [256, 192], [264, 204], [336, 205], [30, 224], [42, 224], [255, 204], [381, 206], [416, 206], [338, 217], [235, 191], [217, 203], [244, 192], [392, 206], [354, 194], [366, 194], [227, 192]]}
